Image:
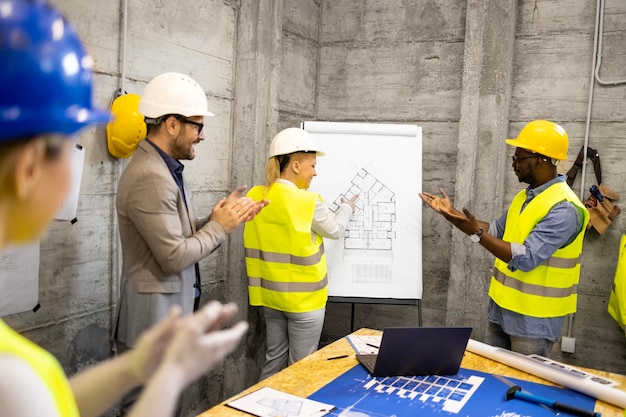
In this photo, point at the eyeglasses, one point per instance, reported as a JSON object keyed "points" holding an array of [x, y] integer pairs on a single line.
{"points": [[199, 126], [516, 159]]}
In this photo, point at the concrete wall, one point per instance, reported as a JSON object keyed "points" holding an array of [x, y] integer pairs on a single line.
{"points": [[398, 62], [553, 56], [443, 66], [468, 72], [79, 262]]}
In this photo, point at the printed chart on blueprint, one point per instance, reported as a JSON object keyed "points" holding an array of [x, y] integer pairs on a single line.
{"points": [[468, 393], [380, 255]]}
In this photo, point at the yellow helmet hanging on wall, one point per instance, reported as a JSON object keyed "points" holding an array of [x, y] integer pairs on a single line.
{"points": [[544, 137], [128, 128]]}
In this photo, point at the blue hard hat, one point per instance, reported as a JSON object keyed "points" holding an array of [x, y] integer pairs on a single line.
{"points": [[45, 73]]}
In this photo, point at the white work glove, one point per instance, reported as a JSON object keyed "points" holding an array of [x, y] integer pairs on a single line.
{"points": [[200, 341]]}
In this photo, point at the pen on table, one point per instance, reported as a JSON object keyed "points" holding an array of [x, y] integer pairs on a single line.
{"points": [[337, 357]]}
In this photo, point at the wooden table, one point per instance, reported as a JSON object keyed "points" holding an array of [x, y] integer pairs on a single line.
{"points": [[310, 374]]}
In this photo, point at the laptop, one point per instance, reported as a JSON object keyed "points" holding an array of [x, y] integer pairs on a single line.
{"points": [[418, 351]]}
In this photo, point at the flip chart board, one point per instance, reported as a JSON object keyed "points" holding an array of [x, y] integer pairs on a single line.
{"points": [[380, 256]]}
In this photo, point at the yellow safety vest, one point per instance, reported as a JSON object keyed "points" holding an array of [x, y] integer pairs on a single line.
{"points": [[46, 366], [617, 299], [286, 268], [549, 290]]}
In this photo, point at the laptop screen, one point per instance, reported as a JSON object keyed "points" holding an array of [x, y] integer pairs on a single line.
{"points": [[421, 351]]}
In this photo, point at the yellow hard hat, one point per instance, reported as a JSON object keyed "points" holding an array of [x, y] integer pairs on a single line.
{"points": [[544, 137], [128, 128]]}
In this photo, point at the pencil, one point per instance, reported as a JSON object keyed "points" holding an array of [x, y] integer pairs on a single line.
{"points": [[337, 357]]}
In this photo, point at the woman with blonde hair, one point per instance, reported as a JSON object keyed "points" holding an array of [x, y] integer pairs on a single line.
{"points": [[285, 259]]}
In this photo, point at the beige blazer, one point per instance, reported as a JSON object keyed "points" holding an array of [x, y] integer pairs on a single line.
{"points": [[161, 242]]}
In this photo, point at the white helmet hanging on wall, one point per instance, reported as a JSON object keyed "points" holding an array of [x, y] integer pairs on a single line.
{"points": [[292, 140], [173, 93]]}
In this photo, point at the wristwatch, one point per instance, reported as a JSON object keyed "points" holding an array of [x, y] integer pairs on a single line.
{"points": [[476, 235]]}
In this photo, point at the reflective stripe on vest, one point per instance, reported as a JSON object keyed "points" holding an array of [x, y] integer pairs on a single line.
{"points": [[288, 286], [286, 268], [534, 289], [549, 290], [285, 258], [555, 262]]}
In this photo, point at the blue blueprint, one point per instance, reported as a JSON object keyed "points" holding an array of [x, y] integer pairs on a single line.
{"points": [[469, 393]]}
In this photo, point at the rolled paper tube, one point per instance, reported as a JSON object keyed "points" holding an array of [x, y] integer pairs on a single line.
{"points": [[529, 365]]}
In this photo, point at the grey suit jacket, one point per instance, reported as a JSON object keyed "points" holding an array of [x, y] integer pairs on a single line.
{"points": [[161, 242]]}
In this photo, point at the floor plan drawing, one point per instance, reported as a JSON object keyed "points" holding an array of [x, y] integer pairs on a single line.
{"points": [[447, 393], [379, 255], [373, 223], [356, 393], [270, 402], [404, 395], [282, 407]]}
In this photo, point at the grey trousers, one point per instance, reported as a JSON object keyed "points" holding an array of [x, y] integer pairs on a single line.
{"points": [[290, 337], [495, 336]]}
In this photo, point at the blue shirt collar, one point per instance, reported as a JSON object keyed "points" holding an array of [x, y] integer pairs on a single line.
{"points": [[175, 167], [533, 192]]}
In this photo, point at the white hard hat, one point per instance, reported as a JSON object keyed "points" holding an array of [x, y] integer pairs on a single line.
{"points": [[292, 140], [173, 93]]}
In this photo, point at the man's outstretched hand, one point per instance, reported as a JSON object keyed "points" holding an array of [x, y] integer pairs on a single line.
{"points": [[443, 206], [462, 220]]}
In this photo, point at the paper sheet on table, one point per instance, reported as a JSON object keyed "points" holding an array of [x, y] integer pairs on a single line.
{"points": [[270, 402], [364, 345]]}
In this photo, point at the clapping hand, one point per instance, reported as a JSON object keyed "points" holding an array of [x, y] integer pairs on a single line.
{"points": [[193, 344], [178, 350], [201, 341], [233, 210]]}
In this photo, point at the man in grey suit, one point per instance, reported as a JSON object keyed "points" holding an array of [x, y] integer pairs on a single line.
{"points": [[162, 240]]}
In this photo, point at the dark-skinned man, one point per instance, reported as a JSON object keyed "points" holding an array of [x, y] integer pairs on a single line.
{"points": [[537, 243]]}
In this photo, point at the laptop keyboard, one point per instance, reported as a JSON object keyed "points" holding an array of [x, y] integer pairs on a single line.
{"points": [[368, 361]]}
